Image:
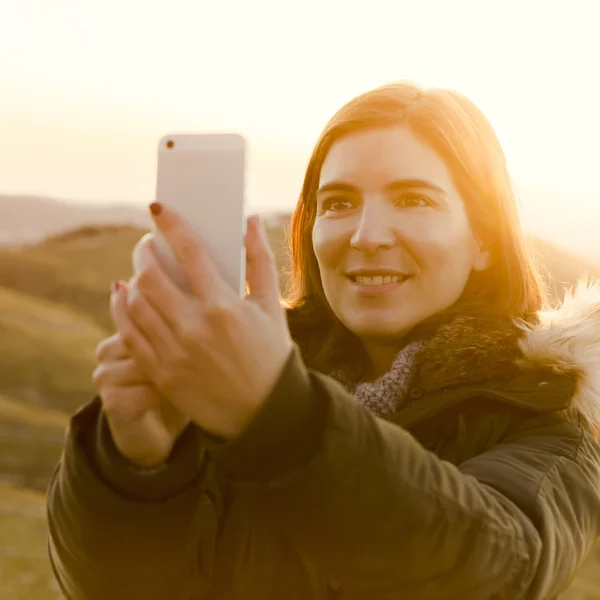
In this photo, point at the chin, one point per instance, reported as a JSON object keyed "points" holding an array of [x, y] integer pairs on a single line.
{"points": [[379, 329]]}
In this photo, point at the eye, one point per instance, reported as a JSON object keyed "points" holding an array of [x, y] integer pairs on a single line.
{"points": [[414, 201], [335, 204]]}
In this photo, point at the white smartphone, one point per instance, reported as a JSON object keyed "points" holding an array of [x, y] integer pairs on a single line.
{"points": [[202, 177]]}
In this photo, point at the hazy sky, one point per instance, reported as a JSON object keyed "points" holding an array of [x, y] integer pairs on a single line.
{"points": [[87, 88]]}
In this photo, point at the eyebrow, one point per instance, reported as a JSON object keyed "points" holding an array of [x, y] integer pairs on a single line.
{"points": [[399, 184]]}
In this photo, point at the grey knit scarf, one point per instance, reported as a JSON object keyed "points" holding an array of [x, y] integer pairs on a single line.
{"points": [[384, 396]]}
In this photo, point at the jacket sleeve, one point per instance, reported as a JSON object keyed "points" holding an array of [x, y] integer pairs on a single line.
{"points": [[118, 533], [385, 516]]}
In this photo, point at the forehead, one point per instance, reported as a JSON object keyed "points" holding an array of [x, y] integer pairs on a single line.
{"points": [[377, 156]]}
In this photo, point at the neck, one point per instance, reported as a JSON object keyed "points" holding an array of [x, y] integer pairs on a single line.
{"points": [[380, 357]]}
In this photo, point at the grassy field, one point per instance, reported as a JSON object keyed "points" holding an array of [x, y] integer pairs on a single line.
{"points": [[31, 441], [25, 572], [75, 269], [47, 351]]}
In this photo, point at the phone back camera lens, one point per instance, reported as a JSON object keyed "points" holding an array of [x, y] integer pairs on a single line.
{"points": [[170, 144]]}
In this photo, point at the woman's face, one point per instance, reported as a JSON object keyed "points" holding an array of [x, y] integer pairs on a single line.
{"points": [[391, 236]]}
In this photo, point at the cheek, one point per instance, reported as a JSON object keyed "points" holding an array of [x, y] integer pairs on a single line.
{"points": [[329, 242], [443, 244]]}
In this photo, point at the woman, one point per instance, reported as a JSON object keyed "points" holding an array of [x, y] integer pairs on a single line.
{"points": [[420, 426]]}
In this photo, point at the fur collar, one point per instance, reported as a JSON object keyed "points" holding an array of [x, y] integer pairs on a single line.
{"points": [[564, 341], [567, 341]]}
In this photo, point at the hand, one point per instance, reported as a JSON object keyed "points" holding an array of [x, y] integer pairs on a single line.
{"points": [[215, 356], [143, 424]]}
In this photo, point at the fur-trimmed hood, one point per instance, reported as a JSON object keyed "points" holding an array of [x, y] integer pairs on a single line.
{"points": [[567, 341], [564, 341]]}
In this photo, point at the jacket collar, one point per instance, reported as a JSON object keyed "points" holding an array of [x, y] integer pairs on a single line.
{"points": [[550, 364]]}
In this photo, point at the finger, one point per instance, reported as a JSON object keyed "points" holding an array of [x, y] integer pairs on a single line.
{"points": [[261, 269], [141, 253], [150, 322], [111, 349], [193, 256], [119, 373], [133, 340], [113, 296], [125, 403], [158, 289]]}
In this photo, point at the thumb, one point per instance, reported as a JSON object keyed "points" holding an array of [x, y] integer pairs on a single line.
{"points": [[261, 269]]}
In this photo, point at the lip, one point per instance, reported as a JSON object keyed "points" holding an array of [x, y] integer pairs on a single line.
{"points": [[377, 290], [375, 271]]}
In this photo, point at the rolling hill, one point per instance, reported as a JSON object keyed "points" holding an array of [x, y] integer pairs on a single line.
{"points": [[30, 219], [31, 441], [74, 269], [47, 351]]}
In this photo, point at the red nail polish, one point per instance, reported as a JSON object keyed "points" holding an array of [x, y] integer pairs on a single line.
{"points": [[156, 208]]}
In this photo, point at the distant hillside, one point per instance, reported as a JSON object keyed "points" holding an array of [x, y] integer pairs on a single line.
{"points": [[29, 219], [47, 352], [548, 214], [75, 269], [565, 268], [31, 441]]}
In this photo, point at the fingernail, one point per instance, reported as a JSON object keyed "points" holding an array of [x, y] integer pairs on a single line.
{"points": [[156, 208], [113, 287], [118, 286]]}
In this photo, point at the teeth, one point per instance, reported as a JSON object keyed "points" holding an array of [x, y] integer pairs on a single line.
{"points": [[377, 280]]}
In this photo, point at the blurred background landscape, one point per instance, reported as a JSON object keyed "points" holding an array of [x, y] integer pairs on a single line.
{"points": [[87, 89]]}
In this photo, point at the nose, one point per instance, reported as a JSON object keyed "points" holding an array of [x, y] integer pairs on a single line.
{"points": [[374, 231]]}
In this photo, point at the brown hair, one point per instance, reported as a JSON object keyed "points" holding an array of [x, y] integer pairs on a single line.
{"points": [[457, 130]]}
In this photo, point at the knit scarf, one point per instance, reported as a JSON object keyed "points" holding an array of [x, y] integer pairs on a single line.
{"points": [[384, 396], [465, 350]]}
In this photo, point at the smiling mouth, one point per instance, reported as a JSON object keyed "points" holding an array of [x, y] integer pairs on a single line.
{"points": [[377, 279]]}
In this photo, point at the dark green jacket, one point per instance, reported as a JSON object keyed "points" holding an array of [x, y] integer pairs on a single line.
{"points": [[485, 485]]}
